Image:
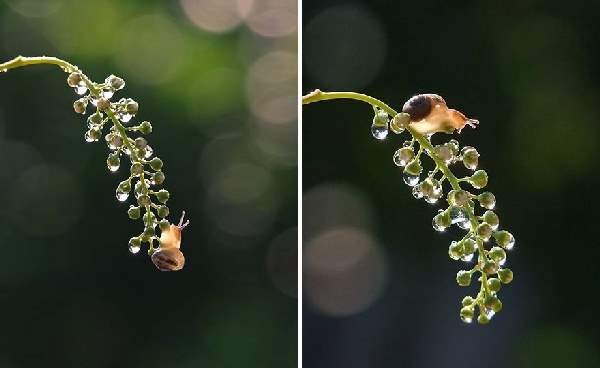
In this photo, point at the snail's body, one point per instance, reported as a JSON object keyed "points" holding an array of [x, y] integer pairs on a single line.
{"points": [[169, 257], [429, 114]]}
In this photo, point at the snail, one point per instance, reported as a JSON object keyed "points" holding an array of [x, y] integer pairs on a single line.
{"points": [[168, 257], [429, 114]]}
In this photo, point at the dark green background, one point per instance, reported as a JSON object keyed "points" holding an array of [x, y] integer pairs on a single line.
{"points": [[528, 70], [71, 295]]}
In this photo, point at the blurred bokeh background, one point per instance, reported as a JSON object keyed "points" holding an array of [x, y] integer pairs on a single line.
{"points": [[379, 288], [218, 81]]}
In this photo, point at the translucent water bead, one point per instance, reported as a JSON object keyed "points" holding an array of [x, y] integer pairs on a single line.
{"points": [[379, 128], [403, 156], [412, 172], [121, 196]]}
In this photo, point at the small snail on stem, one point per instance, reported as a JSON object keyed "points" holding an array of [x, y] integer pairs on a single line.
{"points": [[429, 114], [168, 257]]}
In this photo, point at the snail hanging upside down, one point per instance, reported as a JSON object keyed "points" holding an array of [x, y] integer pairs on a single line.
{"points": [[168, 257], [429, 114]]}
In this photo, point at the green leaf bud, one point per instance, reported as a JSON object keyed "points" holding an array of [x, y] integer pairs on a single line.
{"points": [[455, 250], [458, 198], [469, 245], [149, 232], [125, 186], [140, 142], [413, 167]]}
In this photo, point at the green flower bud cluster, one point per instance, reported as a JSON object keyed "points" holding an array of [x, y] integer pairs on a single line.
{"points": [[483, 246], [145, 171]]}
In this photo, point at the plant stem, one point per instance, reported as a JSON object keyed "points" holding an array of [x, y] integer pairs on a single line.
{"points": [[22, 61], [318, 95]]}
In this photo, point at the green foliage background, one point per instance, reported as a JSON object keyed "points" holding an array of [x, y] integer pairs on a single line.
{"points": [[71, 294]]}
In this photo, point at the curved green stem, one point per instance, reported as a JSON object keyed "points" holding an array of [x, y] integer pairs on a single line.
{"points": [[318, 95]]}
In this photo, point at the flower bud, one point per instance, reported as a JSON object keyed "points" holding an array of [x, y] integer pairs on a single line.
{"points": [[162, 196], [94, 134], [135, 244], [399, 122], [441, 221], [479, 179], [74, 79], [492, 302], [469, 245], [125, 186], [470, 157], [466, 314], [458, 198], [132, 107], [80, 105], [505, 275], [133, 212], [145, 127], [140, 142], [379, 128], [115, 82], [163, 211], [164, 225], [149, 217], [467, 300], [490, 267], [445, 153], [487, 200], [494, 284], [158, 177], [463, 278], [491, 218], [484, 231], [149, 232], [413, 167], [95, 119], [102, 103], [156, 164], [455, 250], [143, 200], [483, 319], [504, 239], [497, 254], [113, 162], [137, 168], [403, 156]]}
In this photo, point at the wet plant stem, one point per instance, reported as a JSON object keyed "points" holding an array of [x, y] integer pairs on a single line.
{"points": [[318, 95]]}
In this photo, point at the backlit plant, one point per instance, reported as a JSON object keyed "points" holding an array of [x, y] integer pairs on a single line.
{"points": [[484, 245], [111, 120]]}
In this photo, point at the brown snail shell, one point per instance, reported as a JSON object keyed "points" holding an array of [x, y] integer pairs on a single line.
{"points": [[168, 259], [429, 114]]}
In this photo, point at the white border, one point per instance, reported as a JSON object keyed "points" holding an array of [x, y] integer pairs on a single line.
{"points": [[299, 46]]}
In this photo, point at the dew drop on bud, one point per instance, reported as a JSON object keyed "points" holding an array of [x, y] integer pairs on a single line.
{"points": [[81, 89], [121, 196], [410, 179], [379, 131], [134, 248]]}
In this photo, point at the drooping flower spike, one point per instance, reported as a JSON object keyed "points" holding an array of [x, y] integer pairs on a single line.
{"points": [[484, 247], [113, 119]]}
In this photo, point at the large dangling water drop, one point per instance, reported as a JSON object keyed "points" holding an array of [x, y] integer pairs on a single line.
{"points": [[379, 131], [121, 196]]}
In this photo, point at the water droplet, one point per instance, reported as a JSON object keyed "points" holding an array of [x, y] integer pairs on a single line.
{"points": [[107, 93], [121, 196], [466, 319], [81, 89], [416, 192], [436, 224], [113, 165], [502, 262], [125, 117], [457, 215], [134, 248], [379, 131], [89, 138], [489, 313], [510, 244], [466, 225], [148, 152], [403, 156], [411, 180], [467, 257], [126, 150]]}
